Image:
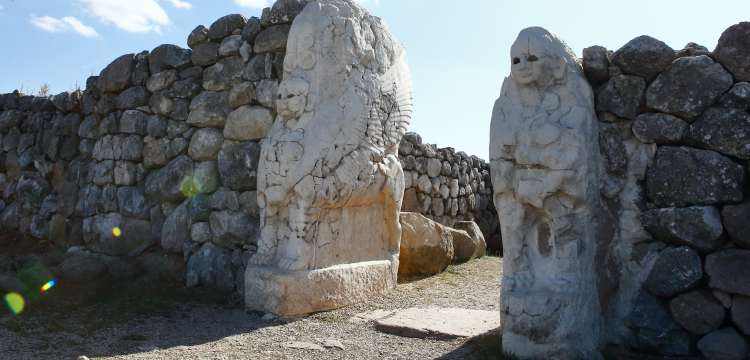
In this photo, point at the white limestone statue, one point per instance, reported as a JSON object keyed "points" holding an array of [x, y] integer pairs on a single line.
{"points": [[545, 173], [330, 184]]}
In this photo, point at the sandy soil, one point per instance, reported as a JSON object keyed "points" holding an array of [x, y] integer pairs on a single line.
{"points": [[169, 322]]}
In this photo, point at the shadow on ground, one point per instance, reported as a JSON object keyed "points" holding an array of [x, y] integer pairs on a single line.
{"points": [[484, 347]]}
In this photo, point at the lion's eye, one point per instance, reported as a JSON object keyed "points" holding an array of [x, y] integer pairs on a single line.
{"points": [[516, 61], [532, 58]]}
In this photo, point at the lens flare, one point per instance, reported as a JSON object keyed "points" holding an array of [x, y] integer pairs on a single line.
{"points": [[116, 231], [15, 303], [49, 285], [190, 187]]}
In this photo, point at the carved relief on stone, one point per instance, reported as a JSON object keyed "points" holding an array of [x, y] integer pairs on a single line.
{"points": [[330, 184], [544, 165]]}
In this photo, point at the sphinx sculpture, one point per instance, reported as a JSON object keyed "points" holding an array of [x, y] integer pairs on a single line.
{"points": [[544, 167], [330, 184]]}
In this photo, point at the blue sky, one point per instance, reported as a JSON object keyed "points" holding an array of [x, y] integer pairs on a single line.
{"points": [[458, 50]]}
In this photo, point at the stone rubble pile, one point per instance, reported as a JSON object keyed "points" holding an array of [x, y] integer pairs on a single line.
{"points": [[678, 123], [448, 186]]}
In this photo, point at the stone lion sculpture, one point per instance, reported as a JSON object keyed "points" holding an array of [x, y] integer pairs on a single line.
{"points": [[544, 168], [330, 184]]}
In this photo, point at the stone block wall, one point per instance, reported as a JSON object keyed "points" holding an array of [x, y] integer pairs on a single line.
{"points": [[448, 186], [675, 138], [152, 167]]}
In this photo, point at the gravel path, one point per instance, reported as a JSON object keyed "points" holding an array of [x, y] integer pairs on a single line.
{"points": [[161, 325]]}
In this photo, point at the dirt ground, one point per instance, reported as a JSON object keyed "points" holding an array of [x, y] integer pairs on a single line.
{"points": [[126, 321]]}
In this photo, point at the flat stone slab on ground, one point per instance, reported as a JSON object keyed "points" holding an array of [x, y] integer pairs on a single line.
{"points": [[441, 323]]}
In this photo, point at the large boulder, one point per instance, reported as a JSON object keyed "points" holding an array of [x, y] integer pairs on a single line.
{"points": [[225, 26], [688, 87], [622, 95], [101, 235], [738, 97], [727, 271], [596, 64], [698, 312], [426, 246], [222, 75], [472, 245], [232, 228], [211, 266], [167, 56], [80, 267], [272, 39], [733, 50], [205, 144], [209, 109], [676, 270], [705, 178], [248, 123], [724, 130], [176, 229], [736, 222], [699, 227], [659, 128], [117, 75], [166, 184], [724, 344], [238, 166], [643, 56], [654, 328]]}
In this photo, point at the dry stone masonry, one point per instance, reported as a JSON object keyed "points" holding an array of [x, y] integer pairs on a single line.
{"points": [[675, 136]]}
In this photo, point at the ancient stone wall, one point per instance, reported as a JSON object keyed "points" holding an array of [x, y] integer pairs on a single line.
{"points": [[675, 138], [448, 186], [152, 168]]}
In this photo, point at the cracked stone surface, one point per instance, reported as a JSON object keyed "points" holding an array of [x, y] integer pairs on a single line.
{"points": [[329, 181], [542, 148]]}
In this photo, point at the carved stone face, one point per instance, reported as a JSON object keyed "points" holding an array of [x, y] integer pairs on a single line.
{"points": [[292, 98], [528, 61]]}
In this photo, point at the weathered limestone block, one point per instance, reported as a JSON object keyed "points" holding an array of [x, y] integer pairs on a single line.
{"points": [[479, 245], [543, 151], [733, 50], [699, 227], [726, 270], [724, 130], [329, 181], [698, 312], [426, 246], [725, 343], [643, 56], [676, 270]]}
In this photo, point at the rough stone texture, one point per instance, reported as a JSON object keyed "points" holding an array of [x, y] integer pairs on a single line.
{"points": [[724, 130], [724, 344], [166, 183], [733, 50], [659, 128], [165, 57], [99, 237], [205, 54], [736, 223], [738, 97], [741, 313], [622, 95], [205, 144], [230, 228], [209, 109], [315, 199], [272, 39], [426, 246], [688, 87], [705, 178], [197, 36], [550, 305], [222, 75], [643, 56], [596, 64], [676, 270], [726, 271], [698, 312], [248, 123], [477, 238], [698, 227], [117, 75], [654, 328], [211, 266], [225, 26], [438, 323], [238, 164]]}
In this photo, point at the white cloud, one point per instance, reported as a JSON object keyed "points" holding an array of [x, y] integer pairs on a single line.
{"points": [[254, 4], [65, 24], [128, 15], [179, 4]]}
